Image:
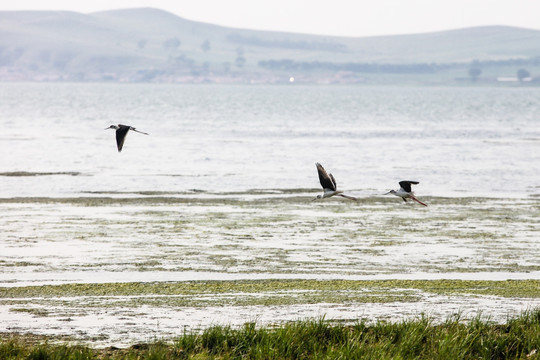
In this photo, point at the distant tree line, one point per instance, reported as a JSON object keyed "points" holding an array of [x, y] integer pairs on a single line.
{"points": [[288, 64], [398, 68], [535, 61], [475, 69], [287, 44]]}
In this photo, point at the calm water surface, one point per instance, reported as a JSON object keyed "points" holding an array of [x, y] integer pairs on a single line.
{"points": [[455, 141]]}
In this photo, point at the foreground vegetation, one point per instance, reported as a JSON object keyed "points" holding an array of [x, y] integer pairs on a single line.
{"points": [[420, 338]]}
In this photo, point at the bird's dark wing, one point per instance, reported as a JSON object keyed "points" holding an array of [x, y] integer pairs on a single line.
{"points": [[121, 136], [406, 184], [333, 181], [326, 180]]}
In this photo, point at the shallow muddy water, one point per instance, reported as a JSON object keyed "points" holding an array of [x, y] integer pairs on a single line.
{"points": [[254, 236], [222, 188], [84, 239]]}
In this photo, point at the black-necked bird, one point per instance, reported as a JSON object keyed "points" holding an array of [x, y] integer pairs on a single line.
{"points": [[121, 133], [405, 192], [328, 184]]}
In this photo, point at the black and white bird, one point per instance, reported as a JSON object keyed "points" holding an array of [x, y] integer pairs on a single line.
{"points": [[405, 192], [328, 184], [121, 133]]}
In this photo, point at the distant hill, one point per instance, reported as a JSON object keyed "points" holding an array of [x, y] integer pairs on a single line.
{"points": [[146, 44]]}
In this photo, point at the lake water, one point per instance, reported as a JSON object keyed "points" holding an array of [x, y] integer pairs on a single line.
{"points": [[455, 141], [221, 189]]}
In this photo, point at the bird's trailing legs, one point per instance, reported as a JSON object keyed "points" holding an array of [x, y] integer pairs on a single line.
{"points": [[418, 201], [348, 197]]}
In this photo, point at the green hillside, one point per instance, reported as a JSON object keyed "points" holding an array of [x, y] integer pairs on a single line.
{"points": [[147, 44]]}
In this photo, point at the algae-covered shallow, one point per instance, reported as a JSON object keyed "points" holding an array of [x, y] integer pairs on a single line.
{"points": [[260, 234], [124, 268], [508, 288]]}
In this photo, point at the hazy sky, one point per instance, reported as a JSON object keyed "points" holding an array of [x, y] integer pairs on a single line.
{"points": [[326, 17]]}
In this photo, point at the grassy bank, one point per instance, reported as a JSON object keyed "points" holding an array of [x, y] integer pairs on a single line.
{"points": [[420, 338]]}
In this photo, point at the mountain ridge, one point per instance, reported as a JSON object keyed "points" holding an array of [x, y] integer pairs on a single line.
{"points": [[142, 44]]}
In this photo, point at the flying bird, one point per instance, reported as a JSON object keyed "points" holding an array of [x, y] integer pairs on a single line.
{"points": [[121, 133], [328, 184], [405, 191]]}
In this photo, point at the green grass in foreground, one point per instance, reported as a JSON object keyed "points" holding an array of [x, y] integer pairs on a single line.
{"points": [[519, 338]]}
